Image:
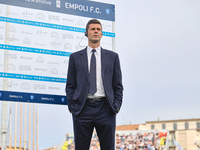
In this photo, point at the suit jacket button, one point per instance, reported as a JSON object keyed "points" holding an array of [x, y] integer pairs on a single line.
{"points": [[88, 83]]}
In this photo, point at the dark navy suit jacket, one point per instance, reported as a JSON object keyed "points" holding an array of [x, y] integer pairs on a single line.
{"points": [[78, 80]]}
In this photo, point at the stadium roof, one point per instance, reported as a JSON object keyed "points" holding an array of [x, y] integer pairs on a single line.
{"points": [[128, 127]]}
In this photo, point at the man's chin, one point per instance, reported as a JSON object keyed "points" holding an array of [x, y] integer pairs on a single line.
{"points": [[95, 41]]}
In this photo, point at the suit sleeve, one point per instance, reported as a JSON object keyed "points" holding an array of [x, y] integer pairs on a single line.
{"points": [[117, 84], [71, 83]]}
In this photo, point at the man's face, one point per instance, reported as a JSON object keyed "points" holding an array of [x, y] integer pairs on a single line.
{"points": [[94, 33]]}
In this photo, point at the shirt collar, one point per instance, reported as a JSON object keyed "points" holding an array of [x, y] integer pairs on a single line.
{"points": [[89, 49]]}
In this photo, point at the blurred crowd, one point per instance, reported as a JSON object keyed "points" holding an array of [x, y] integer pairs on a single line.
{"points": [[146, 141]]}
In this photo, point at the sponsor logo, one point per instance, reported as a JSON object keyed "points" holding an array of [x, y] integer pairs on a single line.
{"points": [[40, 60], [54, 88], [106, 26], [0, 94], [0, 11], [67, 46], [40, 69], [77, 47], [1, 37], [25, 86], [11, 56], [41, 32], [11, 84], [54, 71], [1, 27], [63, 99], [25, 68], [15, 96], [40, 16], [27, 14], [40, 1], [80, 22], [40, 44], [47, 99], [24, 32], [52, 17], [12, 29], [43, 2], [55, 35], [26, 41], [82, 8], [32, 97], [68, 36], [68, 20], [58, 3], [107, 11], [55, 44], [55, 63], [12, 39], [26, 57], [38, 87], [10, 67]]}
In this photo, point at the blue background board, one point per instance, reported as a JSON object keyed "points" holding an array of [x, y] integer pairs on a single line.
{"points": [[85, 8], [82, 8]]}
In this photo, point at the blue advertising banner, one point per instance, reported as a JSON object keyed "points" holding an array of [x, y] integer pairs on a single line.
{"points": [[33, 98], [36, 40], [84, 8]]}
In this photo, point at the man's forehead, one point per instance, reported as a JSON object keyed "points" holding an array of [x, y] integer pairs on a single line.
{"points": [[95, 26]]}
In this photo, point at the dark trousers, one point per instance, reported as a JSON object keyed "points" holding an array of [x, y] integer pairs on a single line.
{"points": [[96, 115]]}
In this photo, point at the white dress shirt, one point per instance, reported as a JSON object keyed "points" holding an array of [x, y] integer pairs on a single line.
{"points": [[100, 89]]}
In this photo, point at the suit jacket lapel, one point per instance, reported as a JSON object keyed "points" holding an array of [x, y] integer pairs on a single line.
{"points": [[84, 60], [103, 61]]}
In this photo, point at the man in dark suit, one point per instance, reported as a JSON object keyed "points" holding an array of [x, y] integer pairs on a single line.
{"points": [[94, 91]]}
